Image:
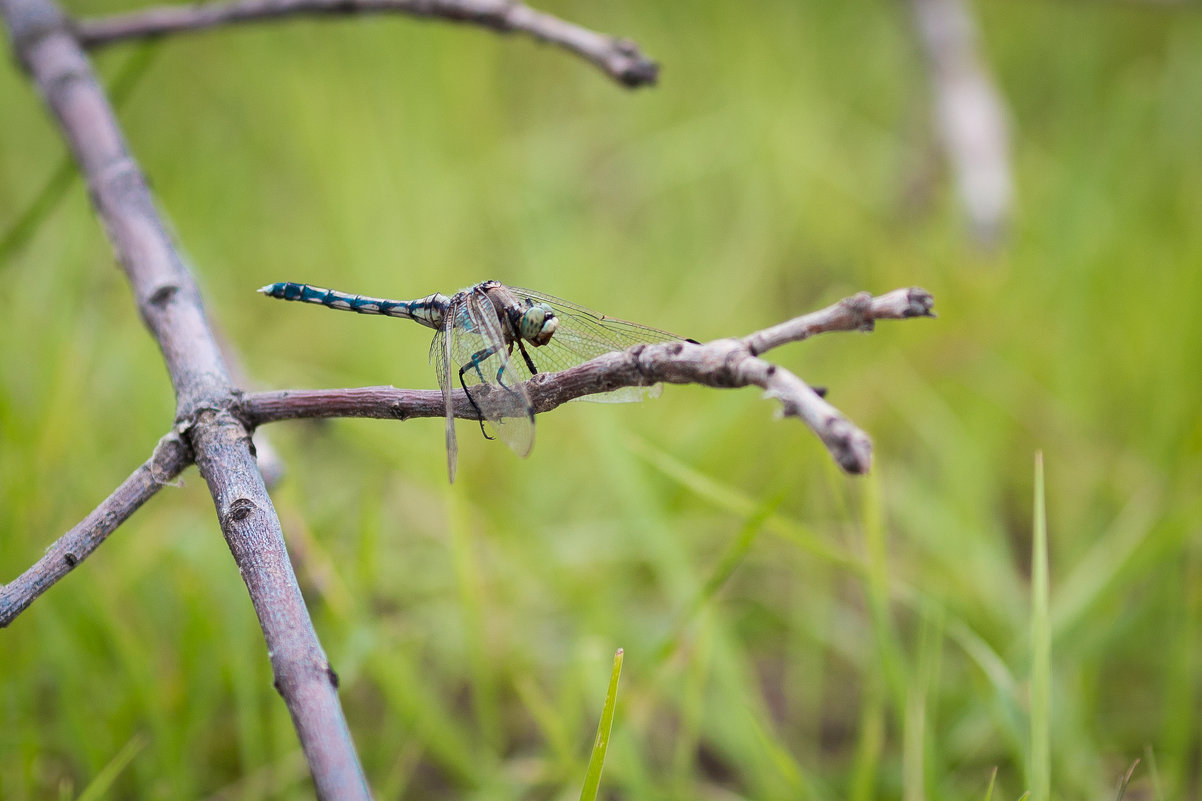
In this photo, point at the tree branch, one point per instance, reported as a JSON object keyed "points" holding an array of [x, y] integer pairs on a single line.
{"points": [[620, 59], [303, 675], [722, 363], [969, 114], [856, 313], [169, 459]]}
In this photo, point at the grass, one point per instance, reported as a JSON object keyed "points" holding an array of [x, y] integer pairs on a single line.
{"points": [[789, 632], [596, 762], [1040, 770]]}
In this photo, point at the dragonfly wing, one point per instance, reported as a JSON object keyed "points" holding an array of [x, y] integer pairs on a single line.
{"points": [[624, 394], [480, 355], [585, 334], [440, 355]]}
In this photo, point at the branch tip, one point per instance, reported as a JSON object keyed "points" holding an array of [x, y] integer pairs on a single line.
{"points": [[634, 69]]}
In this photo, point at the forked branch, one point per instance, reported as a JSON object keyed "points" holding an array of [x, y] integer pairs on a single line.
{"points": [[620, 59], [721, 363]]}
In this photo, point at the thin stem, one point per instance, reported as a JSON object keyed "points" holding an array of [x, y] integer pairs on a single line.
{"points": [[856, 313], [620, 59]]}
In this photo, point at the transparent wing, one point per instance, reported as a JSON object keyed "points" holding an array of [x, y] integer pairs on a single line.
{"points": [[440, 355], [478, 359], [584, 334]]}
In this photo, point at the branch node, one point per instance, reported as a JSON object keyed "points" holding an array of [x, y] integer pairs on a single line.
{"points": [[163, 295], [240, 509], [162, 466], [860, 306]]}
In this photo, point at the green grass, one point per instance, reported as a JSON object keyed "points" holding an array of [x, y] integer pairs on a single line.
{"points": [[789, 632], [1039, 772], [596, 762]]}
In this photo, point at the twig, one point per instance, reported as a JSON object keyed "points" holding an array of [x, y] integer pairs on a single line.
{"points": [[856, 313], [169, 459], [621, 59], [723, 363], [970, 115]]}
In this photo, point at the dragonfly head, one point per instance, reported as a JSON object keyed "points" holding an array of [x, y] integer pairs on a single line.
{"points": [[538, 323]]}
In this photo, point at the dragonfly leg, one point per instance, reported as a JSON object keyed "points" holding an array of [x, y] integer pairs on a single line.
{"points": [[510, 390], [526, 356], [477, 359]]}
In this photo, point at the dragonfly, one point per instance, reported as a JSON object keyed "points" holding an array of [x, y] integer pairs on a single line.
{"points": [[490, 339]]}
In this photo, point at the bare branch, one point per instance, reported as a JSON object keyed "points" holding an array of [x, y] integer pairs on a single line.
{"points": [[857, 313], [970, 115], [169, 459], [303, 675], [723, 363], [620, 59]]}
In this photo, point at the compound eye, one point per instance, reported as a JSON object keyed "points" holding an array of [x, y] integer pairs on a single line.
{"points": [[538, 324]]}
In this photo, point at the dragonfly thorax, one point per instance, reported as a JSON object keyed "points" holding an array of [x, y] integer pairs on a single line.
{"points": [[538, 323]]}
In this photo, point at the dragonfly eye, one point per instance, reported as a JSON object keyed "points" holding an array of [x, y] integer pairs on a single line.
{"points": [[538, 324]]}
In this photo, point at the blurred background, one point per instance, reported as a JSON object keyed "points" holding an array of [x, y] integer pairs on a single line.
{"points": [[873, 638]]}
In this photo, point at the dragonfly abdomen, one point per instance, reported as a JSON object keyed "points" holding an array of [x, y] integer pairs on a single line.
{"points": [[429, 311]]}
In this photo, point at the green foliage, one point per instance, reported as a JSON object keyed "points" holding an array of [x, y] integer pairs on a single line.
{"points": [[829, 637]]}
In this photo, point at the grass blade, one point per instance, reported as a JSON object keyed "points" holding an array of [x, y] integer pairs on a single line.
{"points": [[1126, 780], [100, 786], [592, 779], [1040, 776], [992, 782]]}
